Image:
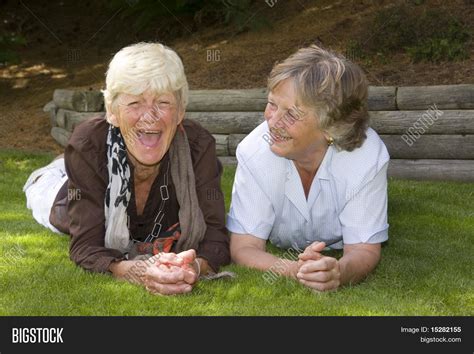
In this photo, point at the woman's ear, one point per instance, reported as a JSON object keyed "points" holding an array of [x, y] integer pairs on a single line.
{"points": [[328, 137], [111, 117], [181, 114]]}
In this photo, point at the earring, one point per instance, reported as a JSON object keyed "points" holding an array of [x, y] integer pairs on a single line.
{"points": [[330, 141]]}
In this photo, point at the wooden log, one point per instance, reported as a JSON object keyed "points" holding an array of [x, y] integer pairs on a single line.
{"points": [[79, 100], [52, 117], [249, 100], [425, 147], [228, 160], [425, 169], [398, 122], [75, 118], [382, 98], [456, 147], [234, 140], [384, 122], [48, 106], [443, 96], [255, 100], [70, 119], [51, 109], [61, 118], [222, 145], [60, 135], [227, 122]]}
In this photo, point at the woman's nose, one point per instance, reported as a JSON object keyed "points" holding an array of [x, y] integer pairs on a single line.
{"points": [[151, 111], [270, 115]]}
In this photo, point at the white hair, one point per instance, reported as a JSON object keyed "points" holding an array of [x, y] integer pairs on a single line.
{"points": [[145, 66]]}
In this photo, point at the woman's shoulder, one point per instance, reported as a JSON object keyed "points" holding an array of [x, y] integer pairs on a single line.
{"points": [[201, 142], [362, 163], [255, 154], [255, 150], [90, 134], [196, 132]]}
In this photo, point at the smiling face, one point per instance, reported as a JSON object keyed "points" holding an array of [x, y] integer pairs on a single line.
{"points": [[294, 127], [148, 123]]}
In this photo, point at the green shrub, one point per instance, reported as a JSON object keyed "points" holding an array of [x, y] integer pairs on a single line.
{"points": [[390, 30], [440, 37], [8, 43], [236, 13], [437, 50], [431, 35]]}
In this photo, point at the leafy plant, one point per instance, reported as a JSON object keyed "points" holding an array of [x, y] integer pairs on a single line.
{"points": [[442, 39], [236, 13], [436, 50], [430, 36], [8, 42]]}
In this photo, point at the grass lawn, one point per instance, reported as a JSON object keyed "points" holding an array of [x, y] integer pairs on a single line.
{"points": [[426, 267]]}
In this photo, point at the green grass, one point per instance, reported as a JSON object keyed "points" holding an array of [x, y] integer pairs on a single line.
{"points": [[426, 267]]}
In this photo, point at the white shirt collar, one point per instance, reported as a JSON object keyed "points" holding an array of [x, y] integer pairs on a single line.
{"points": [[294, 188]]}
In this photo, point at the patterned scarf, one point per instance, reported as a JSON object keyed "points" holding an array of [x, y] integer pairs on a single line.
{"points": [[117, 196]]}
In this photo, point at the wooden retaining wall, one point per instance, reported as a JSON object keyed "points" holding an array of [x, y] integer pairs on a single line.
{"points": [[428, 130]]}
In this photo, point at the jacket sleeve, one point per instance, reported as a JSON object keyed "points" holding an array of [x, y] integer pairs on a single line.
{"points": [[208, 171], [86, 190]]}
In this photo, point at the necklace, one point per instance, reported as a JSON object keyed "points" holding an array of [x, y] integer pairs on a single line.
{"points": [[157, 226]]}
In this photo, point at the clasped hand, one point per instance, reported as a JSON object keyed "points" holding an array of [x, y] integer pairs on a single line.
{"points": [[317, 271], [171, 273]]}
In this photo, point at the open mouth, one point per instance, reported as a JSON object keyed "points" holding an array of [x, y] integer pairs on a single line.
{"points": [[149, 138]]}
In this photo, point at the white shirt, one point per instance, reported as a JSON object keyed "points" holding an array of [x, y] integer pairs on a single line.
{"points": [[347, 201]]}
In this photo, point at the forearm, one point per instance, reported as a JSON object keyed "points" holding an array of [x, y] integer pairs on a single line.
{"points": [[262, 260], [356, 264], [132, 271]]}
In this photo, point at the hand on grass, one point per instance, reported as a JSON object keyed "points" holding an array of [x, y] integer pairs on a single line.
{"points": [[171, 273], [317, 271]]}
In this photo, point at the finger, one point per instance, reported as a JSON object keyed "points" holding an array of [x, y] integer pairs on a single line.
{"points": [[152, 284], [313, 251], [300, 263], [317, 246], [187, 256], [320, 277], [326, 286], [169, 289], [323, 264], [169, 258], [190, 276], [162, 274]]}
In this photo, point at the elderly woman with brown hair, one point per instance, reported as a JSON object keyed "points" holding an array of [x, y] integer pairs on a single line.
{"points": [[138, 180], [313, 175]]}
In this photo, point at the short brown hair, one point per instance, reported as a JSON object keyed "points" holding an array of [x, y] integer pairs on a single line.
{"points": [[332, 86]]}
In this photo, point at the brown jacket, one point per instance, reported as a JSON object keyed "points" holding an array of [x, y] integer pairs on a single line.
{"points": [[79, 206]]}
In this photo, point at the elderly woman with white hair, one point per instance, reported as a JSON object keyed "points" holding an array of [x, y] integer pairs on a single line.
{"points": [[312, 175], [136, 198]]}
